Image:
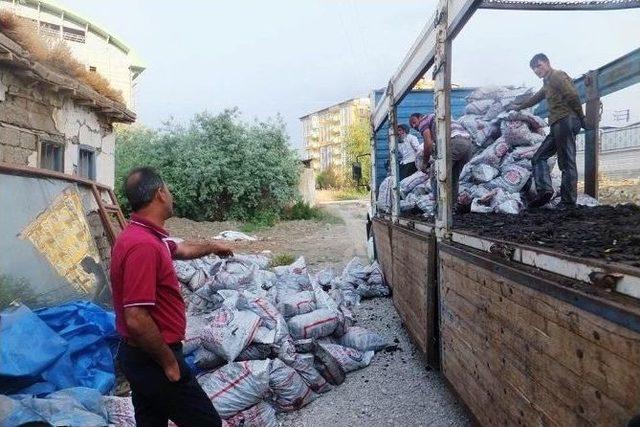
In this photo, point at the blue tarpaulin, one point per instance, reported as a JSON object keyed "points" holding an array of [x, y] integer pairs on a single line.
{"points": [[54, 348], [77, 406]]}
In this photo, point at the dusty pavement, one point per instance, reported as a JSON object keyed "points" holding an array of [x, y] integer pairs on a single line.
{"points": [[397, 388]]}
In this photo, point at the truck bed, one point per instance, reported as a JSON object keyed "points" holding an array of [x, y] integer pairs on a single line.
{"points": [[611, 233]]}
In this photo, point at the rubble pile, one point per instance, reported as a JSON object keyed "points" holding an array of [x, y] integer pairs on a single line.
{"points": [[493, 179]]}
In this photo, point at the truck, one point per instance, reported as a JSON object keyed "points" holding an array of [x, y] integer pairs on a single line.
{"points": [[524, 333]]}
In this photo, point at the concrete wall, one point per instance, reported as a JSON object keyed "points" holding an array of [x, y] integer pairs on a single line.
{"points": [[30, 114], [111, 61], [307, 185]]}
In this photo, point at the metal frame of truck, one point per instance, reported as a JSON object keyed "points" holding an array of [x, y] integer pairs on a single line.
{"points": [[524, 335], [433, 48]]}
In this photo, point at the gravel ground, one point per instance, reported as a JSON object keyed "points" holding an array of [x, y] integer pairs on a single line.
{"points": [[397, 388]]}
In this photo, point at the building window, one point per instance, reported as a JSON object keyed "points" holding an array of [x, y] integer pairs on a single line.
{"points": [[73, 35], [92, 68], [52, 156], [87, 163]]}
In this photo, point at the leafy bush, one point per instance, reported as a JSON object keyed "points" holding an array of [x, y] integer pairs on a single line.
{"points": [[218, 167], [301, 210], [282, 259], [332, 177]]}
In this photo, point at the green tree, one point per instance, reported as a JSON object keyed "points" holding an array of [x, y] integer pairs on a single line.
{"points": [[358, 141], [217, 167]]}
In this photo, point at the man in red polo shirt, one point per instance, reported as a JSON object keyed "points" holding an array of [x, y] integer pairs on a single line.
{"points": [[150, 311]]}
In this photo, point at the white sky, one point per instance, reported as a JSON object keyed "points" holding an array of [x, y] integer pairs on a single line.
{"points": [[296, 56]]}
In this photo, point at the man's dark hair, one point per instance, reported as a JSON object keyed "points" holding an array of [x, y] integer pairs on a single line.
{"points": [[416, 115], [538, 57], [405, 128], [141, 186]]}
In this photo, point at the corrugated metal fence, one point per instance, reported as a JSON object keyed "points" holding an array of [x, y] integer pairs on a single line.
{"points": [[619, 152]]}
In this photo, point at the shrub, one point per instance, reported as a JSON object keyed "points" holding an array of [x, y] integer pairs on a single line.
{"points": [[281, 259], [218, 168], [332, 177]]}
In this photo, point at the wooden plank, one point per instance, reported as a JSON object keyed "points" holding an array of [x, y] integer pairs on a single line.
{"points": [[565, 376], [382, 237], [592, 328], [601, 368], [540, 378], [506, 385], [480, 400], [414, 286]]}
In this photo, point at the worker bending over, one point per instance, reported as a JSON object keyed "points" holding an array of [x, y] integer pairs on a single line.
{"points": [[565, 118], [461, 150]]}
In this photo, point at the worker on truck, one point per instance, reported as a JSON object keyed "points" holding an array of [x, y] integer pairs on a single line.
{"points": [[461, 150], [408, 148], [565, 118], [150, 311]]}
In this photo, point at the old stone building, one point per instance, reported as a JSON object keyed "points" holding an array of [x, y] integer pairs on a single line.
{"points": [[52, 121]]}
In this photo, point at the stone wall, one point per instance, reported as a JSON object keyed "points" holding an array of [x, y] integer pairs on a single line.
{"points": [[30, 113]]}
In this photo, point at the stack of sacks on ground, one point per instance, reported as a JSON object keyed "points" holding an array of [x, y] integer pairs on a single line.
{"points": [[493, 179], [265, 340]]}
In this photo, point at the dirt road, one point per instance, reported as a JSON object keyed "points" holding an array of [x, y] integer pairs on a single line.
{"points": [[397, 388]]}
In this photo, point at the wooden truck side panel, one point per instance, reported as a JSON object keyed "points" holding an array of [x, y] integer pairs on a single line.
{"points": [[517, 354], [408, 261], [382, 238]]}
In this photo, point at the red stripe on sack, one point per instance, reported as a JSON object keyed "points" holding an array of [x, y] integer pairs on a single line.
{"points": [[318, 323], [254, 332], [303, 302], [266, 310], [231, 385]]}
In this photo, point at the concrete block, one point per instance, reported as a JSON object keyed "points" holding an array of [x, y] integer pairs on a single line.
{"points": [[28, 141], [9, 136], [15, 155]]}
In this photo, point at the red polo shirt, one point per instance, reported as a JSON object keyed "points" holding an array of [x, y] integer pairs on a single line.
{"points": [[142, 274]]}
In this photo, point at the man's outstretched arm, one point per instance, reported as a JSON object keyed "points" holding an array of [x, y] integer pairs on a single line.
{"points": [[194, 249]]}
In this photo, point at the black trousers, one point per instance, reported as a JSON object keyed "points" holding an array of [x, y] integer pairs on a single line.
{"points": [[561, 140], [157, 400], [407, 169]]}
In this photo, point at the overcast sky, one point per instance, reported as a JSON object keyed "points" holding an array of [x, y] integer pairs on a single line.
{"points": [[294, 57]]}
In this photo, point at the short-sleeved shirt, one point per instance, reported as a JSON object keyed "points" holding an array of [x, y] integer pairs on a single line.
{"points": [[407, 149], [142, 274]]}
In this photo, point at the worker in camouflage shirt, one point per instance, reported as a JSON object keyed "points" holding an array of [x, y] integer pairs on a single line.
{"points": [[565, 118]]}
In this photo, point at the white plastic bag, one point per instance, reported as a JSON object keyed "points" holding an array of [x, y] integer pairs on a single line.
{"points": [[297, 303], [349, 359], [410, 182], [317, 324], [484, 173], [120, 411], [259, 415], [385, 195], [237, 386], [229, 331], [289, 389], [363, 339]]}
